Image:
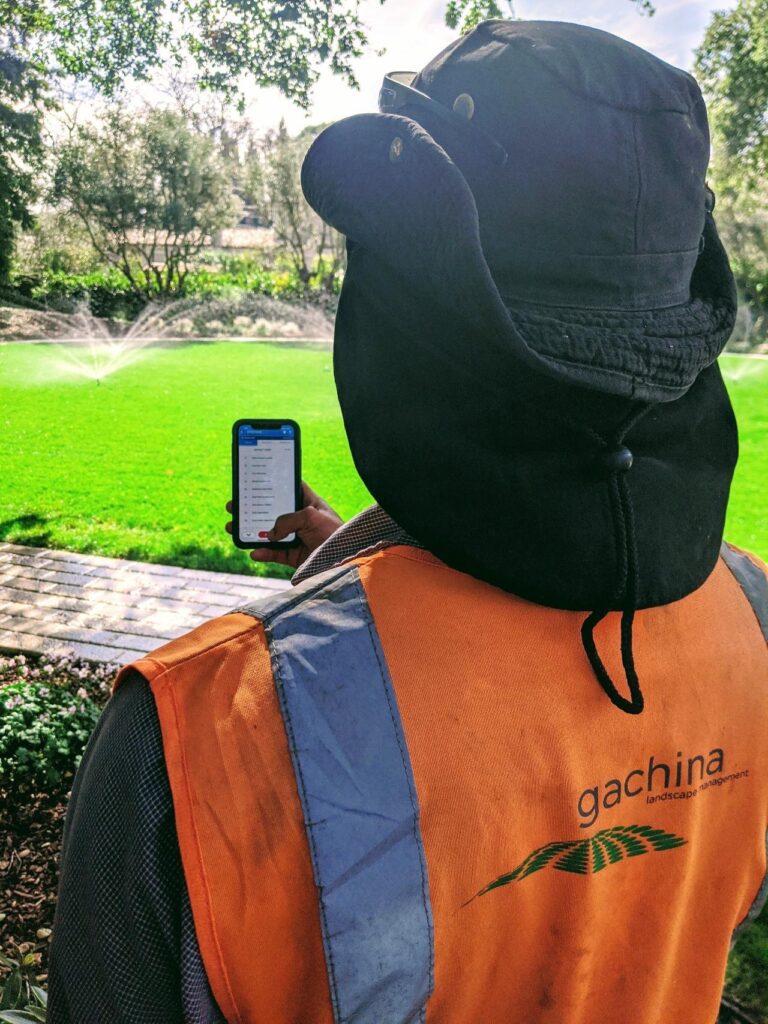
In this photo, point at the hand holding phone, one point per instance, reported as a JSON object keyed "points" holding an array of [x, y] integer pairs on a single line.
{"points": [[276, 515], [314, 523], [266, 480]]}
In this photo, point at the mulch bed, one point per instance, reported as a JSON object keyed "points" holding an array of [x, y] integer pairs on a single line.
{"points": [[29, 861]]}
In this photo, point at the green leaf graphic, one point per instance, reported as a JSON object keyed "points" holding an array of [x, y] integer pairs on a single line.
{"points": [[588, 856], [576, 860]]}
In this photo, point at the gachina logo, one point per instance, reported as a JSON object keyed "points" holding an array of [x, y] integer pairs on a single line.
{"points": [[588, 856]]}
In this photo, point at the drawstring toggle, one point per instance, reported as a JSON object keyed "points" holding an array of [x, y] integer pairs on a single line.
{"points": [[616, 460]]}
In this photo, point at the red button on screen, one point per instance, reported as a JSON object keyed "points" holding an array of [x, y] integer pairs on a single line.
{"points": [[263, 533]]}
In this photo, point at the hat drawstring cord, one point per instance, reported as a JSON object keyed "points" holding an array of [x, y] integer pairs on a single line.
{"points": [[623, 515]]}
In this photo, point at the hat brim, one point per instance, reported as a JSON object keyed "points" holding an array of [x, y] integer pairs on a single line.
{"points": [[409, 204]]}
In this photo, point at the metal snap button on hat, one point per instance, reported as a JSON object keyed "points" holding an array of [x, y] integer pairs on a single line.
{"points": [[395, 148], [464, 105]]}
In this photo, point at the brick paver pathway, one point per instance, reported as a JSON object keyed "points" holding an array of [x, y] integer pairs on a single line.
{"points": [[108, 609]]}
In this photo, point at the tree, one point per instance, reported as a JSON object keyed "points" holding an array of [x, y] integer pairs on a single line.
{"points": [[272, 181], [150, 192], [465, 14], [278, 43], [22, 96], [732, 66], [281, 43]]}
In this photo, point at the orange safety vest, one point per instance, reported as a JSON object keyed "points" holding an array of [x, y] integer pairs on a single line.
{"points": [[400, 795]]}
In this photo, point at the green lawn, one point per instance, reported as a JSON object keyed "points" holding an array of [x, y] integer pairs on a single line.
{"points": [[138, 465], [747, 523]]}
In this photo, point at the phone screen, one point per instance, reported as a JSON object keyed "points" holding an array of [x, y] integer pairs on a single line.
{"points": [[266, 478]]}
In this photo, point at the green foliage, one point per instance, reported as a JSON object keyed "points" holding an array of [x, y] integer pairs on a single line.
{"points": [[108, 292], [43, 732], [272, 181], [732, 67], [149, 190], [747, 976], [281, 43], [464, 15], [56, 243], [21, 999], [21, 149]]}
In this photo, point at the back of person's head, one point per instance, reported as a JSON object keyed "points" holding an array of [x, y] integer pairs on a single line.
{"points": [[535, 299]]}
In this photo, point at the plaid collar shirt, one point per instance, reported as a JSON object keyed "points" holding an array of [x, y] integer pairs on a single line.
{"points": [[367, 532]]}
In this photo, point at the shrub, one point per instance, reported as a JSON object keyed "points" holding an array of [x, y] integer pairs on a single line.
{"points": [[64, 671], [21, 999], [44, 728], [109, 293]]}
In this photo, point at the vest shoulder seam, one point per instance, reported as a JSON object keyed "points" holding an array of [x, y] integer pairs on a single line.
{"points": [[166, 668], [263, 612]]}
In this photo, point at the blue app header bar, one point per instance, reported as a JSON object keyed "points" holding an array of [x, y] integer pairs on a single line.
{"points": [[247, 435]]}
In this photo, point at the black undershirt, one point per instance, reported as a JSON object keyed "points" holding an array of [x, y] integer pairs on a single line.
{"points": [[124, 949]]}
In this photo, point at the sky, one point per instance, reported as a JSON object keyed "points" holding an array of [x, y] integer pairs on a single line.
{"points": [[414, 31]]}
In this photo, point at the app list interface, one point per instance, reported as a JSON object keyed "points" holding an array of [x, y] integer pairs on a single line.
{"points": [[266, 478]]}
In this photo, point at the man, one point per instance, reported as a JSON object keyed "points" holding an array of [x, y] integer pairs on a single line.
{"points": [[500, 754]]}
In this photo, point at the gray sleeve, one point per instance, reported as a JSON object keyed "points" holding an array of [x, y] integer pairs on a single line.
{"points": [[124, 948]]}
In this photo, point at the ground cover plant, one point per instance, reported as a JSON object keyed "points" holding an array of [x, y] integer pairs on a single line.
{"points": [[48, 707], [138, 465]]}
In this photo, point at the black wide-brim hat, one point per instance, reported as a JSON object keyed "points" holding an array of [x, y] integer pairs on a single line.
{"points": [[591, 255], [534, 302]]}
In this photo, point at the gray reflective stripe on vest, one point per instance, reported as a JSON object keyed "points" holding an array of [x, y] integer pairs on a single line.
{"points": [[755, 586], [358, 796]]}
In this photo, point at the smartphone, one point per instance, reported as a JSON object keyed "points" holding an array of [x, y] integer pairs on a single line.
{"points": [[266, 480]]}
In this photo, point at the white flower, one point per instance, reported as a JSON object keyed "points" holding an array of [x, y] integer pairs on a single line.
{"points": [[82, 693]]}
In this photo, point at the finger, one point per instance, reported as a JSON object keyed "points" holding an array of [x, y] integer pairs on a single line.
{"points": [[270, 555], [313, 500], [228, 527], [228, 506], [292, 522]]}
